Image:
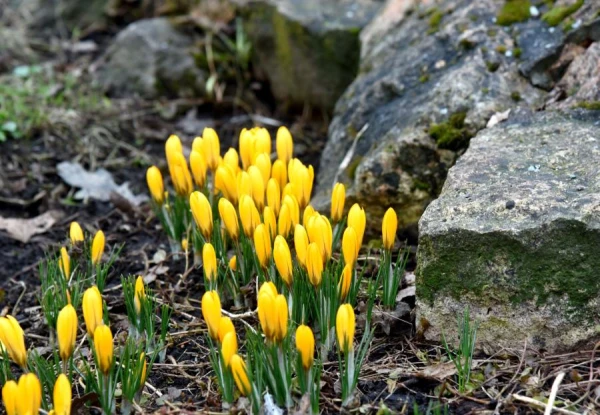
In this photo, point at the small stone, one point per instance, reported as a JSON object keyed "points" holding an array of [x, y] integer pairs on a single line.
{"points": [[534, 12], [580, 188], [510, 204]]}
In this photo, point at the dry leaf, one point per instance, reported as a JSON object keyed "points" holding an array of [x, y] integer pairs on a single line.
{"points": [[23, 229], [437, 372], [97, 185]]}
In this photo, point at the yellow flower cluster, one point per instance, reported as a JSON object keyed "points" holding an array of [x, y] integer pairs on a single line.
{"points": [[264, 202]]}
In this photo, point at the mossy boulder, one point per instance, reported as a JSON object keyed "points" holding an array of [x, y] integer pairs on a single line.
{"points": [[151, 58], [307, 50], [514, 236]]}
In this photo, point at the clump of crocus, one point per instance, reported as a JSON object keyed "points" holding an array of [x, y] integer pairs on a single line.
{"points": [[23, 398]]}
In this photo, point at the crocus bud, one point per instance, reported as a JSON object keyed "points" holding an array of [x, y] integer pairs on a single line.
{"points": [[64, 263], [344, 327], [244, 184], [229, 218], [144, 373], [284, 225], [232, 159], [308, 213], [29, 394], [155, 183], [240, 375], [249, 215], [98, 247], [92, 309], [301, 244], [139, 294], [62, 395], [338, 198], [172, 147], [270, 221], [202, 212], [350, 245], [209, 259], [284, 144], [273, 196], [273, 315], [263, 163], [358, 220], [211, 148], [279, 173], [180, 174], [225, 182], [233, 263], [314, 264], [262, 245], [320, 232], [198, 167], [345, 281], [66, 328], [292, 204], [246, 147], [258, 187], [301, 178], [103, 343], [283, 259], [388, 229], [262, 143], [11, 335], [225, 326], [10, 396], [75, 233], [305, 344], [211, 311], [229, 347]]}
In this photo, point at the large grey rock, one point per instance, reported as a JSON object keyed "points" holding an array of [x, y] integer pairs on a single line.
{"points": [[515, 236], [151, 58], [308, 50], [439, 71]]}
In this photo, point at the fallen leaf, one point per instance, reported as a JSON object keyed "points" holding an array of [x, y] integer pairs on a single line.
{"points": [[95, 185], [23, 229], [437, 372]]}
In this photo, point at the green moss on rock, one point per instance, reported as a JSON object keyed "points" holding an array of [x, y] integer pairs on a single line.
{"points": [[513, 11], [351, 169], [557, 14], [517, 52], [515, 96], [492, 66], [451, 134], [435, 20], [589, 105]]}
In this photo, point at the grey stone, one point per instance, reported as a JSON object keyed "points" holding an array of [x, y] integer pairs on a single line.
{"points": [[529, 273], [581, 83], [308, 50], [414, 76], [151, 58]]}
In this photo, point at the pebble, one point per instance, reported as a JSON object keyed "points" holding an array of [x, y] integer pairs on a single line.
{"points": [[534, 12], [510, 204]]}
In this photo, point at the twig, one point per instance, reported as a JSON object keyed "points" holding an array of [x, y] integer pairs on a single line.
{"points": [[539, 404], [553, 393]]}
